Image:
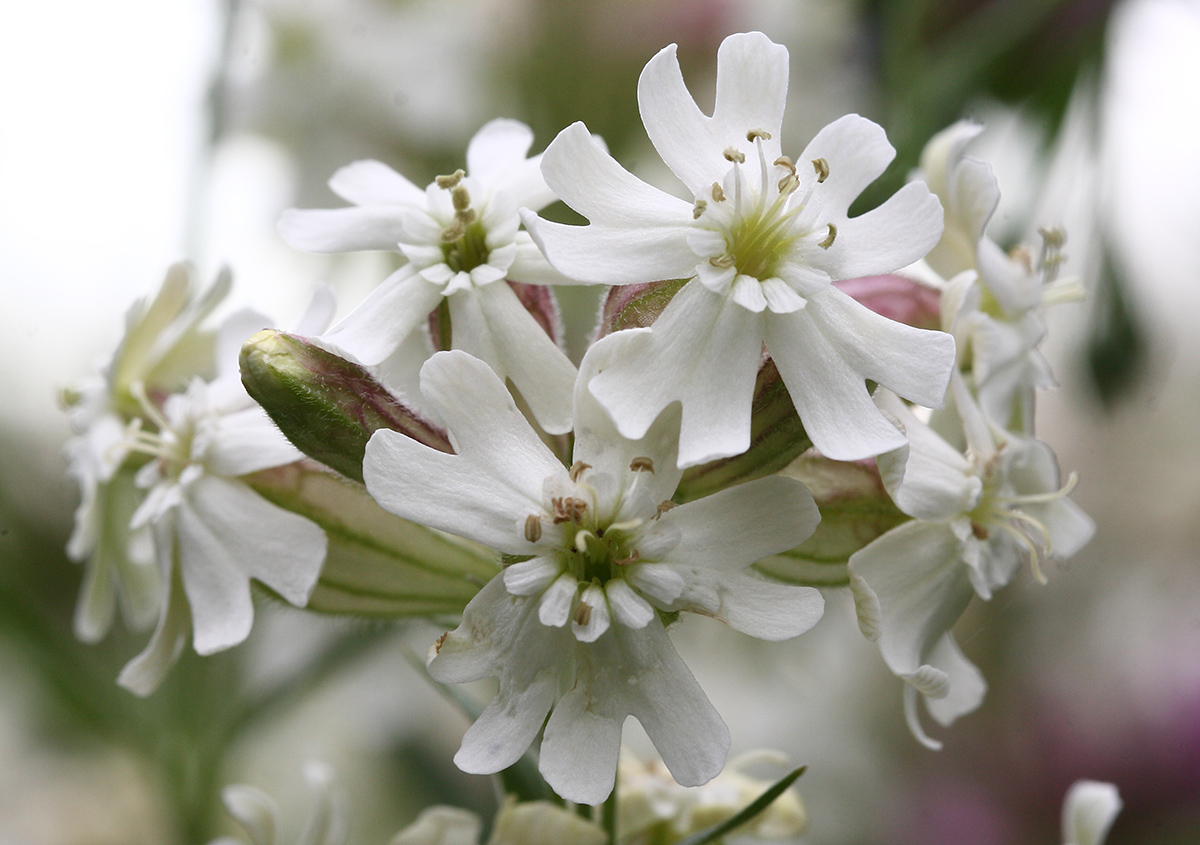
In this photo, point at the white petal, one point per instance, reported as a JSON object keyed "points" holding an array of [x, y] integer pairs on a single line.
{"points": [[247, 441], [492, 324], [498, 147], [144, 673], [382, 322], [254, 810], [916, 579], [589, 180], [342, 229], [966, 684], [607, 255], [597, 621], [748, 293], [318, 316], [928, 479], [492, 483], [752, 77], [888, 237], [598, 443], [554, 608], [234, 331], [1089, 811], [441, 826], [702, 351], [370, 182], [662, 583], [857, 152], [228, 534], [638, 673], [829, 394], [530, 266], [630, 609], [780, 296], [502, 635], [531, 577]]}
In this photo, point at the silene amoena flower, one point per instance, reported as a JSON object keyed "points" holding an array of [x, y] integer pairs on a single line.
{"points": [[976, 518], [462, 241], [760, 240], [164, 450], [598, 562], [163, 346], [994, 313]]}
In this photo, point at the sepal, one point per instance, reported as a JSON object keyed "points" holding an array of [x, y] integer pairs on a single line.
{"points": [[855, 509], [327, 406], [635, 306], [377, 564]]}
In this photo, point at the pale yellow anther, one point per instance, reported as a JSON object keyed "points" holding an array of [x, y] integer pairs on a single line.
{"points": [[533, 528], [466, 216], [460, 197], [642, 464], [828, 242], [723, 261], [788, 184], [735, 155], [583, 614], [754, 134], [1053, 237], [454, 231], [786, 163], [821, 166], [698, 209], [718, 193], [578, 469], [448, 182]]}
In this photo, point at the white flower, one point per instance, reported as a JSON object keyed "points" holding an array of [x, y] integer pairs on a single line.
{"points": [[527, 823], [651, 807], [211, 532], [603, 558], [1088, 812], [760, 241], [259, 815], [993, 313], [975, 519], [162, 347], [460, 236]]}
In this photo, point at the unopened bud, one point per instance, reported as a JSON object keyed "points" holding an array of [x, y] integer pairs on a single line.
{"points": [[897, 298], [635, 306], [327, 406]]}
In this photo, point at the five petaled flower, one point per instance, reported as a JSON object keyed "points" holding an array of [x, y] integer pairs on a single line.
{"points": [[460, 236], [760, 242], [600, 562]]}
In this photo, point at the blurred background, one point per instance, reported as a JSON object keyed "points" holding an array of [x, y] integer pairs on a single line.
{"points": [[136, 133]]}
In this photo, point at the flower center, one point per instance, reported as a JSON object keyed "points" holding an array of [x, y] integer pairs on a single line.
{"points": [[464, 241], [760, 225]]}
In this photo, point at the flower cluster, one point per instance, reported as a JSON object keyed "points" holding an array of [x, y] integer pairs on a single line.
{"points": [[594, 504]]}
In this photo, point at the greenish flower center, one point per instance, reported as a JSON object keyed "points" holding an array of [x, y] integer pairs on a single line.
{"points": [[468, 251], [757, 243]]}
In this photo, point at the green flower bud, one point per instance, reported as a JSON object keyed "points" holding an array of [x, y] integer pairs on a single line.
{"points": [[327, 406], [635, 306], [855, 509], [377, 564]]}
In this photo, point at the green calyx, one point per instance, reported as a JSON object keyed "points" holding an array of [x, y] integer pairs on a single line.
{"points": [[327, 406]]}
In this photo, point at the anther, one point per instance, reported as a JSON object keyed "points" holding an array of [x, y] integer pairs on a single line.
{"points": [[822, 167], [786, 163], [577, 470], [979, 531], [1053, 237], [460, 198], [533, 528], [569, 509], [454, 231], [723, 261], [718, 193], [583, 614], [735, 155], [642, 464], [437, 647], [754, 134], [634, 557], [662, 508], [698, 209], [789, 183], [828, 242], [451, 181]]}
